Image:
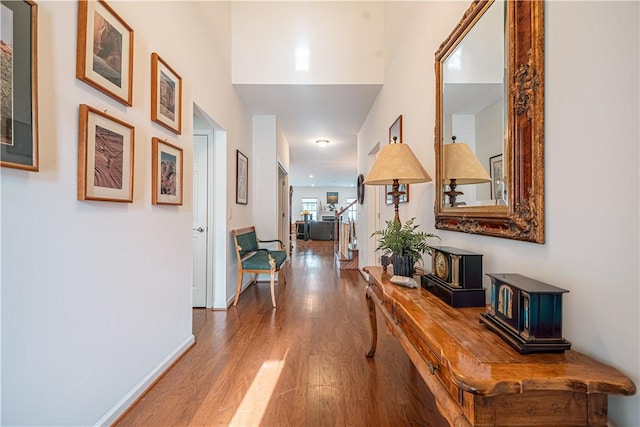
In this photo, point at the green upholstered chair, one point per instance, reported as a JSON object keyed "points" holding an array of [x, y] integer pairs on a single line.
{"points": [[254, 259]]}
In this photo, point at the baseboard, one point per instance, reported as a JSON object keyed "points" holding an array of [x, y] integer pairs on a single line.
{"points": [[138, 391]]}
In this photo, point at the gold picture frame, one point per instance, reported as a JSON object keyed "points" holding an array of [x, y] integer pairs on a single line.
{"points": [[105, 157], [166, 173], [19, 124], [166, 95], [404, 198], [395, 131], [104, 56]]}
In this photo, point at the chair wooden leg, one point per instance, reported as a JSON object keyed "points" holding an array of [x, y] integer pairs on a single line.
{"points": [[282, 277], [273, 295], [235, 301]]}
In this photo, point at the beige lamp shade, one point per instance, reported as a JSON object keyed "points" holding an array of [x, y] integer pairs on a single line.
{"points": [[396, 162], [462, 165]]}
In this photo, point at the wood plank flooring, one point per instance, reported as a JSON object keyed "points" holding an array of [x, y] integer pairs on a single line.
{"points": [[301, 364]]}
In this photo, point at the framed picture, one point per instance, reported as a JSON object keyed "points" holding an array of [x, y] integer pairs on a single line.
{"points": [[105, 157], [166, 173], [498, 189], [19, 83], [403, 198], [242, 178], [166, 95], [104, 57], [395, 131], [332, 197]]}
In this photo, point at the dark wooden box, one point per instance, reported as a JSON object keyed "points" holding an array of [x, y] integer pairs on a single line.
{"points": [[526, 313]]}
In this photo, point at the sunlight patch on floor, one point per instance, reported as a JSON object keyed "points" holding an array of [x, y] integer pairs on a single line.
{"points": [[256, 399]]}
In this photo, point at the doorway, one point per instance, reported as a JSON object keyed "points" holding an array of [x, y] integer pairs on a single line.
{"points": [[209, 228], [284, 225]]}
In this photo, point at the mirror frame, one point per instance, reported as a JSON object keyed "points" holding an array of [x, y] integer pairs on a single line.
{"points": [[523, 217]]}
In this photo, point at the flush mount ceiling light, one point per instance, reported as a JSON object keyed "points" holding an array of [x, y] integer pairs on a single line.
{"points": [[322, 142]]}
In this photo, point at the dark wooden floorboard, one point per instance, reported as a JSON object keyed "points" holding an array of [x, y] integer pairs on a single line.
{"points": [[300, 364]]}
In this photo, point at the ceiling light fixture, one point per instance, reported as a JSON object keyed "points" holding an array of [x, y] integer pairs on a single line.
{"points": [[322, 142]]}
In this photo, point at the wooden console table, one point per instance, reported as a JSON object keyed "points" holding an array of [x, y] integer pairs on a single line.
{"points": [[476, 378]]}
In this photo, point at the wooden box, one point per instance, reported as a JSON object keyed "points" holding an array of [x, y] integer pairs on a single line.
{"points": [[526, 313]]}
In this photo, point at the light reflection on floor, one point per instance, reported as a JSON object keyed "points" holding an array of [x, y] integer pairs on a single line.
{"points": [[257, 397]]}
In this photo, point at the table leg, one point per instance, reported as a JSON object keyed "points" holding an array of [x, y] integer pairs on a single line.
{"points": [[374, 325]]}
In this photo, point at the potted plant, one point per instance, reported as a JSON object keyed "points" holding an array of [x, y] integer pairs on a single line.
{"points": [[404, 244]]}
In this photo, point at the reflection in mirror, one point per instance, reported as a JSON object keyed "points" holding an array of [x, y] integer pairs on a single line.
{"points": [[473, 110], [490, 96], [461, 166]]}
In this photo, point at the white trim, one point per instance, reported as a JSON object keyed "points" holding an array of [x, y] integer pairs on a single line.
{"points": [[219, 220], [130, 398]]}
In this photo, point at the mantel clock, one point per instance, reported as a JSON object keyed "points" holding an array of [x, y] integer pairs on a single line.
{"points": [[456, 277], [526, 313]]}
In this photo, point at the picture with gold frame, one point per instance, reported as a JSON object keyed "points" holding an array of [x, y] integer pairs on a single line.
{"points": [[19, 82], [166, 95], [167, 173], [404, 198], [105, 157], [395, 131], [104, 57]]}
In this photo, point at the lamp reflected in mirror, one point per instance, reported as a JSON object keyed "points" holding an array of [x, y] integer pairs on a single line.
{"points": [[461, 167]]}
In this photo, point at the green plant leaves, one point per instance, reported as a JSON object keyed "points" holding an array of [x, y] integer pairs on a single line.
{"points": [[403, 239]]}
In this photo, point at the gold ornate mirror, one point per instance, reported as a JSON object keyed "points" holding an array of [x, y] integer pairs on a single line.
{"points": [[489, 133]]}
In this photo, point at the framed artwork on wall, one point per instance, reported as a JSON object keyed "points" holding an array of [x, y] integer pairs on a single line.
{"points": [[498, 189], [242, 178], [166, 173], [395, 131], [104, 57], [166, 95], [404, 198], [19, 83], [105, 157], [332, 197]]}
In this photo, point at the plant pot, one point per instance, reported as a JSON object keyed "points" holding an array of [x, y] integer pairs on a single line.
{"points": [[402, 265]]}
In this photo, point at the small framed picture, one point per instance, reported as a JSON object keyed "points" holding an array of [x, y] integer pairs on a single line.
{"points": [[404, 198], [498, 188], [104, 56], [332, 197], [395, 131], [105, 157], [166, 95], [19, 83], [242, 178], [166, 170]]}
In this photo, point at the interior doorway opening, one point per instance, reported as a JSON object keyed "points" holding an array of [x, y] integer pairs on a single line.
{"points": [[209, 212]]}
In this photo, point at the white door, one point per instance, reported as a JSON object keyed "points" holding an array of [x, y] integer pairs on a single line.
{"points": [[283, 203], [200, 194]]}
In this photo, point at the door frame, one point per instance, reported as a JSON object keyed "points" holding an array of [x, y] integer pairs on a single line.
{"points": [[217, 249], [284, 224]]}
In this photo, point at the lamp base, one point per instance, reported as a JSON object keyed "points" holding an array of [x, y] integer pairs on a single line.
{"points": [[452, 193]]}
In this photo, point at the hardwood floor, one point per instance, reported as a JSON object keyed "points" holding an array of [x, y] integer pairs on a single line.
{"points": [[301, 364]]}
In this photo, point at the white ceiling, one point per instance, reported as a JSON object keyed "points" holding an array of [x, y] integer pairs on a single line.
{"points": [[306, 113]]}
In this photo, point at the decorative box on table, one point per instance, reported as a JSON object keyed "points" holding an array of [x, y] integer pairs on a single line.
{"points": [[456, 277], [526, 313]]}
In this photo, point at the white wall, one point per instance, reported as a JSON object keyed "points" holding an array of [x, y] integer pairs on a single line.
{"points": [[591, 149], [96, 296], [265, 176], [343, 41]]}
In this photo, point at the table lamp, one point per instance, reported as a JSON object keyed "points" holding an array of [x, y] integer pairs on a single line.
{"points": [[396, 164]]}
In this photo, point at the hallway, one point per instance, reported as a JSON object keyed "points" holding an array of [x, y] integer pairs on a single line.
{"points": [[301, 364]]}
